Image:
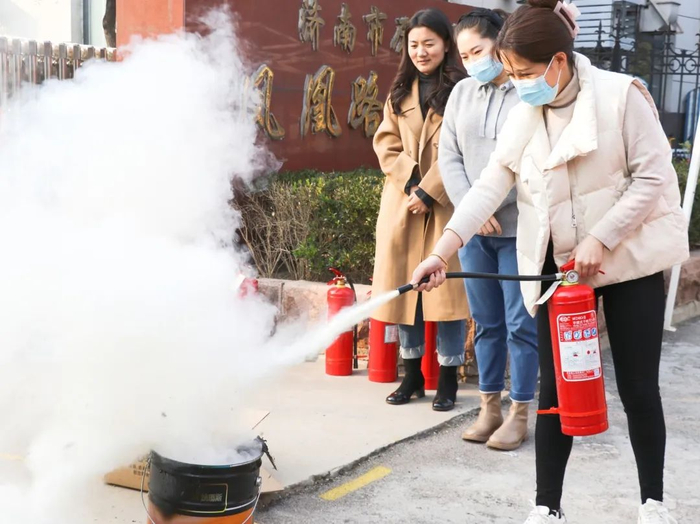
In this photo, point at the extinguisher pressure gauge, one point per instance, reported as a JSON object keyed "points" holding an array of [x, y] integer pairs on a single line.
{"points": [[572, 277]]}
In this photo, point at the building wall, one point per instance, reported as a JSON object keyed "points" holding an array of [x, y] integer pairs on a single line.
{"points": [[55, 20], [96, 11], [689, 20], [506, 5], [62, 20], [595, 11], [41, 19]]}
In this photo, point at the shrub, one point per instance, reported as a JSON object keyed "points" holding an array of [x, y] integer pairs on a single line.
{"points": [[297, 224], [301, 223]]}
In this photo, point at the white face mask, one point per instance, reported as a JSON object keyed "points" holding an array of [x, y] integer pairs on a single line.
{"points": [[484, 69], [536, 91]]}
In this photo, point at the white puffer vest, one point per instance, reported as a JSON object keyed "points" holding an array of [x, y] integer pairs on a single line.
{"points": [[565, 193]]}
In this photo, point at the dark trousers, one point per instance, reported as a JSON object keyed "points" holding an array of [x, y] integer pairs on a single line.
{"points": [[634, 312]]}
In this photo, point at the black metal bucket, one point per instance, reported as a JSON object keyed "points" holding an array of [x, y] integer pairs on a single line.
{"points": [[177, 488]]}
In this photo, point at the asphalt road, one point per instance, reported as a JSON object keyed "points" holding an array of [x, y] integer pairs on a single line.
{"points": [[438, 478]]}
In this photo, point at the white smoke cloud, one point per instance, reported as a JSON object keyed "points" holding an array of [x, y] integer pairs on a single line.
{"points": [[120, 331]]}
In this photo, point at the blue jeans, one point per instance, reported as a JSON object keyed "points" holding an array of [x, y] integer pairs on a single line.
{"points": [[451, 338], [502, 322]]}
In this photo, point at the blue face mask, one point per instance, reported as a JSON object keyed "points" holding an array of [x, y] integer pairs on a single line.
{"points": [[537, 92], [485, 69]]}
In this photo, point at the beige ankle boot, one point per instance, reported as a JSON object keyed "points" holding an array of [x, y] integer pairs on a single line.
{"points": [[513, 431], [489, 420]]}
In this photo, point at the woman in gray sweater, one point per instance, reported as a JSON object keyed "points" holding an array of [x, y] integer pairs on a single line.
{"points": [[475, 113]]}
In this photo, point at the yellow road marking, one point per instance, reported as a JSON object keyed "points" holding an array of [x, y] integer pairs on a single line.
{"points": [[10, 458], [360, 482]]}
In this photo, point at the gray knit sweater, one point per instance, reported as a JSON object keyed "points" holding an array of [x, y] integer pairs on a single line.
{"points": [[474, 116]]}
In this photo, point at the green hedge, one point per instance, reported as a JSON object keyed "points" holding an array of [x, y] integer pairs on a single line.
{"points": [[298, 224], [694, 228], [332, 223]]}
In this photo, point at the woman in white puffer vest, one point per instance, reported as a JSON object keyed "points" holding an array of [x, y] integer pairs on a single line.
{"points": [[595, 184]]}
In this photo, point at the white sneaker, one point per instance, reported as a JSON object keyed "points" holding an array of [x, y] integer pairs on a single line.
{"points": [[654, 512], [541, 515]]}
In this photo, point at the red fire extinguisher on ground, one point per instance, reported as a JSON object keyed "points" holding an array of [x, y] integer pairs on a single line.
{"points": [[246, 285], [383, 349], [429, 364], [339, 356], [578, 366]]}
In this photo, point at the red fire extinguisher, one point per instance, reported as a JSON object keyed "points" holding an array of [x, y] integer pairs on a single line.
{"points": [[383, 349], [429, 364], [246, 285], [339, 356], [578, 366]]}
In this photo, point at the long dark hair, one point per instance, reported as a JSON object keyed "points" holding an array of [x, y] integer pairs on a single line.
{"points": [[449, 72], [536, 33]]}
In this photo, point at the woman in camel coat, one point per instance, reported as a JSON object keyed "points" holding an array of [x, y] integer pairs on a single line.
{"points": [[415, 208]]}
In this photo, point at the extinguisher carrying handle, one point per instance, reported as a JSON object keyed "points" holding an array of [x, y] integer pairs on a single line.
{"points": [[337, 272], [489, 276]]}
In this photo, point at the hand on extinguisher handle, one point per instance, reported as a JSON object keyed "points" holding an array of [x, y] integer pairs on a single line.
{"points": [[587, 257], [571, 264]]}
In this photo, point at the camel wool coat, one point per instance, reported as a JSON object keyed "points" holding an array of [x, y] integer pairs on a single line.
{"points": [[401, 143]]}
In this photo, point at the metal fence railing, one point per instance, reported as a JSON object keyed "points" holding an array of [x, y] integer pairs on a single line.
{"points": [[25, 62]]}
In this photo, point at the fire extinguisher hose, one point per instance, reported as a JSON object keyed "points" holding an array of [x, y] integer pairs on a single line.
{"points": [[489, 276]]}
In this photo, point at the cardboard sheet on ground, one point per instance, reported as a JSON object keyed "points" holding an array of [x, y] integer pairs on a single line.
{"points": [[131, 476]]}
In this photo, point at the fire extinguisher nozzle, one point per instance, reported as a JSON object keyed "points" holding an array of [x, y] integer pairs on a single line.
{"points": [[405, 289]]}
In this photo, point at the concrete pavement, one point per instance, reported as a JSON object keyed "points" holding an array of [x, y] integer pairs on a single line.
{"points": [[319, 426]]}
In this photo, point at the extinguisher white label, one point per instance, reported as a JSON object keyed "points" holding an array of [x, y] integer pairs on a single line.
{"points": [[391, 334], [579, 347]]}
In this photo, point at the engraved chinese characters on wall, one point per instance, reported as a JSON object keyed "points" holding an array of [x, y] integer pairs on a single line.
{"points": [[263, 80], [375, 28], [317, 112], [348, 50], [399, 36], [365, 109], [310, 22], [345, 32], [310, 25]]}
